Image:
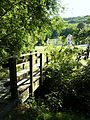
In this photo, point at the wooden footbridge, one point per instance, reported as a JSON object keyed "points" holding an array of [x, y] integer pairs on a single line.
{"points": [[26, 74]]}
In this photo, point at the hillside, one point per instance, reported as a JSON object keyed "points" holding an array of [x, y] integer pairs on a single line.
{"points": [[78, 19]]}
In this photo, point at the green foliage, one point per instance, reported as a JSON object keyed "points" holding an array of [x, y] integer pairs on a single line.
{"points": [[82, 36], [68, 29], [76, 20], [79, 30], [23, 24], [57, 25], [80, 25], [69, 79], [88, 20], [40, 112]]}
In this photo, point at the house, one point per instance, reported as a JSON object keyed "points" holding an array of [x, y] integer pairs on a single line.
{"points": [[68, 39]]}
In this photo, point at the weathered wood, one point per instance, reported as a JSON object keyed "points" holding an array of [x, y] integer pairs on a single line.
{"points": [[21, 64], [36, 84], [47, 60], [23, 90], [13, 78], [41, 69], [23, 55], [23, 87], [22, 72], [36, 67], [23, 81], [36, 73], [36, 78], [33, 53], [36, 56], [24, 95], [31, 74]]}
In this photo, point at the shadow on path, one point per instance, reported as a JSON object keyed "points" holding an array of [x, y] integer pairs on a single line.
{"points": [[5, 103]]}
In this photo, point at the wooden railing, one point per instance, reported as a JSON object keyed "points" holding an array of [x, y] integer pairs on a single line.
{"points": [[26, 74]]}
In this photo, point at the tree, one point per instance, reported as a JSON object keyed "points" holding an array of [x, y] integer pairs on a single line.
{"points": [[80, 25], [68, 29], [57, 24], [88, 20], [23, 22]]}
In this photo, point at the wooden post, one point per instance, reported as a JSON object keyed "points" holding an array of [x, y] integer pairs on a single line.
{"points": [[36, 56], [47, 58], [31, 74], [41, 70], [23, 61], [13, 77], [87, 52]]}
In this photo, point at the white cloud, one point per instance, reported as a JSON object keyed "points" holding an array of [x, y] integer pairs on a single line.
{"points": [[76, 8]]}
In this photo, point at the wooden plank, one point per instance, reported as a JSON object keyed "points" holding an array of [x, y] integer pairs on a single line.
{"points": [[36, 73], [22, 72], [33, 53], [23, 55], [24, 96], [23, 91], [24, 86], [36, 78], [27, 54], [24, 63], [23, 81], [36, 65], [36, 85]]}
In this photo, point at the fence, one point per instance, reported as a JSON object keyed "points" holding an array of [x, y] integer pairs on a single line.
{"points": [[26, 74]]}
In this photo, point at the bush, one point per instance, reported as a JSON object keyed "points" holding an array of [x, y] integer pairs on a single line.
{"points": [[67, 81]]}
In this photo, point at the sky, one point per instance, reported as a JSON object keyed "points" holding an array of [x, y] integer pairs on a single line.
{"points": [[76, 8]]}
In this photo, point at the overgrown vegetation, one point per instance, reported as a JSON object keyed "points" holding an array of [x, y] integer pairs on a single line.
{"points": [[65, 94], [67, 81]]}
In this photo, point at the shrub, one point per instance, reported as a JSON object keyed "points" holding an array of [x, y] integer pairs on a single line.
{"points": [[66, 84]]}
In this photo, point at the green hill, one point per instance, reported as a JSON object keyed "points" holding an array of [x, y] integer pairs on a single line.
{"points": [[78, 19]]}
